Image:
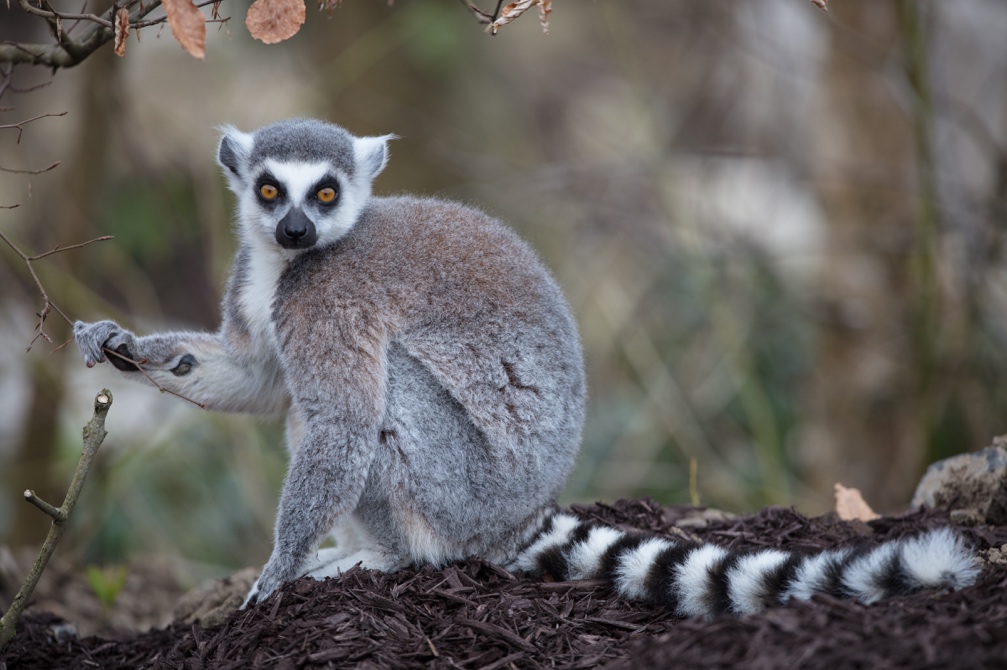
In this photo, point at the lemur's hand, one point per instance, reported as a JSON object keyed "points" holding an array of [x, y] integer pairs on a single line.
{"points": [[91, 337]]}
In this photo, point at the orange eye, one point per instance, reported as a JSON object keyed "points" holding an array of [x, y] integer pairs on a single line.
{"points": [[326, 195], [268, 192]]}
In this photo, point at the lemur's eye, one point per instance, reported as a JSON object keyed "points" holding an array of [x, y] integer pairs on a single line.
{"points": [[326, 195], [268, 192]]}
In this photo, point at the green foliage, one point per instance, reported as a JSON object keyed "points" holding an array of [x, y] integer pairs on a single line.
{"points": [[106, 582]]}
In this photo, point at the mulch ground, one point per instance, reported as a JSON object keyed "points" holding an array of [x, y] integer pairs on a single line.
{"points": [[476, 616]]}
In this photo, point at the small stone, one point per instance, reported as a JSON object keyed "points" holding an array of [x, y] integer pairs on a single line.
{"points": [[214, 601], [973, 486]]}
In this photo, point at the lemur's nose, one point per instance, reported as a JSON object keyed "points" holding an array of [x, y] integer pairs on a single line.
{"points": [[295, 230]]}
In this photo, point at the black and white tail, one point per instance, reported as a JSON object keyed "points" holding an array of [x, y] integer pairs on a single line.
{"points": [[706, 580]]}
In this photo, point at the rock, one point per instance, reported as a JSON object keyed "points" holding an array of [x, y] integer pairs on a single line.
{"points": [[213, 601], [973, 486], [994, 556]]}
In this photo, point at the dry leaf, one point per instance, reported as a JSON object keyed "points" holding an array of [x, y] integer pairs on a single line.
{"points": [[821, 4], [121, 31], [850, 505], [329, 5], [544, 10], [510, 12], [188, 25], [273, 21], [515, 9]]}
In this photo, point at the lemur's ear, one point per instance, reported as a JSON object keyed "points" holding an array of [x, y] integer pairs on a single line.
{"points": [[372, 153], [235, 147]]}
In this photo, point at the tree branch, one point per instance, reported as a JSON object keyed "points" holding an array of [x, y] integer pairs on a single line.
{"points": [[47, 305], [21, 124], [31, 172], [94, 435]]}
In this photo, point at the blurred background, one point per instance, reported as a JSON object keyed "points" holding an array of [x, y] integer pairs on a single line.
{"points": [[780, 229]]}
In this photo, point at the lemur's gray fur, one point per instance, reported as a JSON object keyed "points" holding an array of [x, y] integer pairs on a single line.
{"points": [[432, 379]]}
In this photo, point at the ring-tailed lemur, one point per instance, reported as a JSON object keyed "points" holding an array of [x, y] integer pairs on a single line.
{"points": [[433, 382]]}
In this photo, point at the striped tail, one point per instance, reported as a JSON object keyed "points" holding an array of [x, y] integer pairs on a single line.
{"points": [[707, 580]]}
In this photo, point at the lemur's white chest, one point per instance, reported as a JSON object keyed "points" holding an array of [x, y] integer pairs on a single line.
{"points": [[256, 297]]}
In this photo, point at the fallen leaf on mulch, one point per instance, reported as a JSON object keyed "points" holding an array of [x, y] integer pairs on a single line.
{"points": [[850, 505]]}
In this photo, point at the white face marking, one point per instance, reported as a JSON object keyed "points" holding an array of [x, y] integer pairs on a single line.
{"points": [[299, 179], [631, 575], [744, 580]]}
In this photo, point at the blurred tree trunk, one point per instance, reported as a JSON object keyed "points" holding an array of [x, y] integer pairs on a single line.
{"points": [[863, 405], [65, 221]]}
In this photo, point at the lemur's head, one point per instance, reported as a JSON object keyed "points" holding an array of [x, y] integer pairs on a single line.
{"points": [[300, 183]]}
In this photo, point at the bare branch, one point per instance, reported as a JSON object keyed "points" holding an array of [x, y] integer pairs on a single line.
{"points": [[94, 435], [58, 248], [52, 14], [47, 305], [67, 52], [21, 124], [100, 29], [55, 512], [31, 172]]}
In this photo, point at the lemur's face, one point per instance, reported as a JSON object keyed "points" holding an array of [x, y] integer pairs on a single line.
{"points": [[297, 201], [300, 184]]}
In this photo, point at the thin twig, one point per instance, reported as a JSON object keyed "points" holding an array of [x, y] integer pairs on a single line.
{"points": [[8, 80], [139, 366], [31, 172], [94, 435], [55, 512], [58, 248], [47, 304], [21, 124], [68, 52], [53, 14]]}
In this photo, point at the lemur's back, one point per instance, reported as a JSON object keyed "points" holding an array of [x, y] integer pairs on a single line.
{"points": [[484, 399]]}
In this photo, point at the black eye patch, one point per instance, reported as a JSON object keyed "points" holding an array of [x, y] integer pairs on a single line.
{"points": [[268, 189]]}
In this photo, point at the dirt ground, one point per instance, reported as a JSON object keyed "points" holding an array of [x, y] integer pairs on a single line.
{"points": [[475, 615]]}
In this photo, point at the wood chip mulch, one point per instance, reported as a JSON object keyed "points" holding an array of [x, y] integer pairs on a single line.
{"points": [[474, 615]]}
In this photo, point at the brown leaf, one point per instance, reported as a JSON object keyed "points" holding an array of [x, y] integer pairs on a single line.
{"points": [[188, 25], [515, 9], [329, 5], [850, 505], [121, 31], [544, 10], [273, 21]]}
